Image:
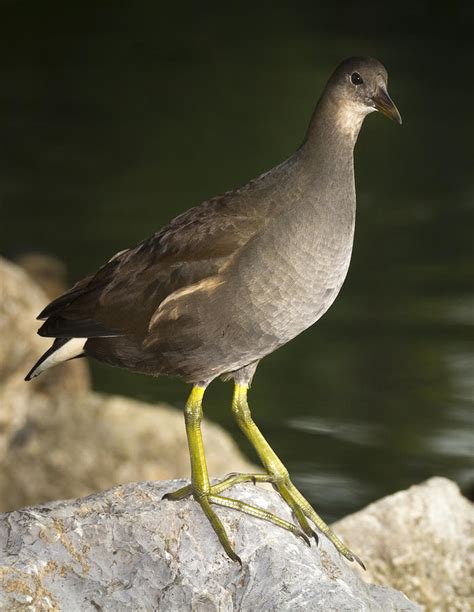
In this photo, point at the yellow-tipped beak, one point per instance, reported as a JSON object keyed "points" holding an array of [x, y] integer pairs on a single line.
{"points": [[384, 103]]}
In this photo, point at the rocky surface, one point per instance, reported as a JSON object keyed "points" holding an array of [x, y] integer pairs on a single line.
{"points": [[59, 439], [420, 541], [126, 549]]}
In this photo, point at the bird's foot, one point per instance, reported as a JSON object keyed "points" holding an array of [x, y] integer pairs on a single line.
{"points": [[301, 508], [212, 497], [228, 481], [303, 511]]}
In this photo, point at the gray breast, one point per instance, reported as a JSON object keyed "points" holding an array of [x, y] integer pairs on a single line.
{"points": [[292, 274]]}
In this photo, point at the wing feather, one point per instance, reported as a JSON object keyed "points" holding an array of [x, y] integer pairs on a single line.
{"points": [[123, 295]]}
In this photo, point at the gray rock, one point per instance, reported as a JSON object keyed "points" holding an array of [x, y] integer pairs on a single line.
{"points": [[420, 541], [126, 549]]}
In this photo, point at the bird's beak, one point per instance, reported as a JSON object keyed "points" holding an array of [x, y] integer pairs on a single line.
{"points": [[384, 103]]}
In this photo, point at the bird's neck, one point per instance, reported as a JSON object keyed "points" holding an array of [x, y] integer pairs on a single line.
{"points": [[333, 131]]}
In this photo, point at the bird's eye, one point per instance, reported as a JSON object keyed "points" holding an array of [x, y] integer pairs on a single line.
{"points": [[356, 78]]}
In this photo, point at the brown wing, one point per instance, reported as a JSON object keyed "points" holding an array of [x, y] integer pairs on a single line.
{"points": [[121, 298]]}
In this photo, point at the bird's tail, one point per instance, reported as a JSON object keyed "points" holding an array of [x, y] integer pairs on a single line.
{"points": [[62, 349]]}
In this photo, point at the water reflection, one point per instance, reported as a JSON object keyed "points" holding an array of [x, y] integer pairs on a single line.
{"points": [[355, 433], [332, 489]]}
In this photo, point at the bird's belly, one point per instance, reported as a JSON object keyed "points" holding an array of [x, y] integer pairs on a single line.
{"points": [[287, 313], [290, 287]]}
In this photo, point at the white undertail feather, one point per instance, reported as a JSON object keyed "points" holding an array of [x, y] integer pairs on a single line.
{"points": [[73, 348]]}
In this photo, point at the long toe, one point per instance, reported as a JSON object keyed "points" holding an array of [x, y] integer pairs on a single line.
{"points": [[303, 510], [218, 527], [207, 500]]}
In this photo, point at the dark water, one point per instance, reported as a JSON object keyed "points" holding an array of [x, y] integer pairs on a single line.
{"points": [[115, 117]]}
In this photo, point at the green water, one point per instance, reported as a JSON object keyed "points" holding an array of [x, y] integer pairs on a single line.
{"points": [[115, 118]]}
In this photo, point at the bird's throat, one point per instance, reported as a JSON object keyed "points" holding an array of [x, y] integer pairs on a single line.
{"points": [[348, 121], [333, 129]]}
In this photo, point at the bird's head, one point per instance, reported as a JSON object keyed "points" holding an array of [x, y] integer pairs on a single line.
{"points": [[359, 86]]}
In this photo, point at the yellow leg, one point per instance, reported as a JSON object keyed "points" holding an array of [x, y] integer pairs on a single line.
{"points": [[205, 493], [279, 475], [201, 488]]}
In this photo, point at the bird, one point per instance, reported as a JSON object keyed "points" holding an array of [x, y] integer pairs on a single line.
{"points": [[230, 281]]}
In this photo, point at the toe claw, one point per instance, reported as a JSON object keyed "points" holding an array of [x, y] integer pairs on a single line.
{"points": [[233, 556], [237, 559], [305, 538], [316, 537], [359, 561]]}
